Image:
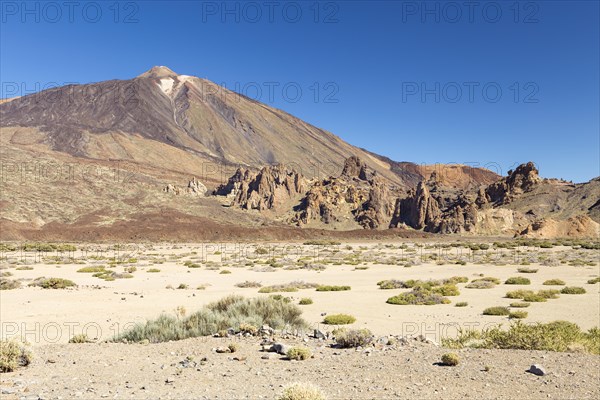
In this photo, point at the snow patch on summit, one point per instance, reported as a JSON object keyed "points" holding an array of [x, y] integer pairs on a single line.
{"points": [[166, 85]]}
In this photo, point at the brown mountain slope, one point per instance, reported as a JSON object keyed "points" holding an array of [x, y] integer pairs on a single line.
{"points": [[205, 126]]}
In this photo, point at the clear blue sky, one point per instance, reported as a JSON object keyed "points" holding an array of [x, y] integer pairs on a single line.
{"points": [[370, 61]]}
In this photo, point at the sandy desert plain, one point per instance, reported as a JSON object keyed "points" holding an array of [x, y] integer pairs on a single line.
{"points": [[120, 286]]}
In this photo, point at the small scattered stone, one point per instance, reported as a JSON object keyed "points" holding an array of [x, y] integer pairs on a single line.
{"points": [[537, 369]]}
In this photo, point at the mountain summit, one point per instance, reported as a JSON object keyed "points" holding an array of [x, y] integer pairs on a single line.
{"points": [[196, 122]]}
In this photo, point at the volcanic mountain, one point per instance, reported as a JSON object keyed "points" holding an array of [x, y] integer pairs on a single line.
{"points": [[183, 123], [169, 156]]}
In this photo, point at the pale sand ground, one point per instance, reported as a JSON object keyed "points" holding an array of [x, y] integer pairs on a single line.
{"points": [[53, 316]]}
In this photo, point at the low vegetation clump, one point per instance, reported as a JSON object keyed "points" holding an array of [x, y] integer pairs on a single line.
{"points": [[339, 319], [332, 288], [248, 328], [554, 282], [519, 294], [287, 287], [347, 338], [52, 283], [322, 243], [9, 284], [520, 304], [480, 284], [446, 290], [233, 347], [552, 336], [594, 281], [183, 286], [305, 301], [229, 312], [450, 359], [153, 270], [14, 354], [461, 304], [526, 270], [249, 284], [302, 391], [81, 338], [224, 272], [549, 293], [391, 284], [299, 353], [418, 296], [496, 311], [517, 280], [24, 268], [573, 290], [91, 270], [517, 314]]}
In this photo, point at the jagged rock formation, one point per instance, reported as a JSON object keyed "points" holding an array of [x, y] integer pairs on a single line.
{"points": [[269, 188], [194, 188], [354, 167], [434, 210], [361, 197], [523, 179]]}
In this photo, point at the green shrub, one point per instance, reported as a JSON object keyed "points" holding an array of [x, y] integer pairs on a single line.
{"points": [[229, 312], [299, 353], [14, 354], [81, 338], [287, 287], [233, 347], [517, 314], [461, 304], [183, 286], [248, 284], [302, 391], [91, 269], [418, 296], [446, 290], [554, 282], [391, 284], [572, 290], [450, 359], [593, 281], [480, 284], [9, 284], [322, 243], [225, 271], [548, 294], [24, 268], [535, 298], [517, 280], [53, 283], [339, 319], [305, 301], [330, 288], [248, 328], [520, 304], [496, 311], [553, 336], [153, 270], [519, 294], [527, 270], [352, 337]]}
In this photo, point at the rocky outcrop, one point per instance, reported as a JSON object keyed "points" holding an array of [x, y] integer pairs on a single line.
{"points": [[269, 188], [434, 210], [523, 179], [194, 188], [579, 226], [356, 194], [377, 210], [354, 167]]}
